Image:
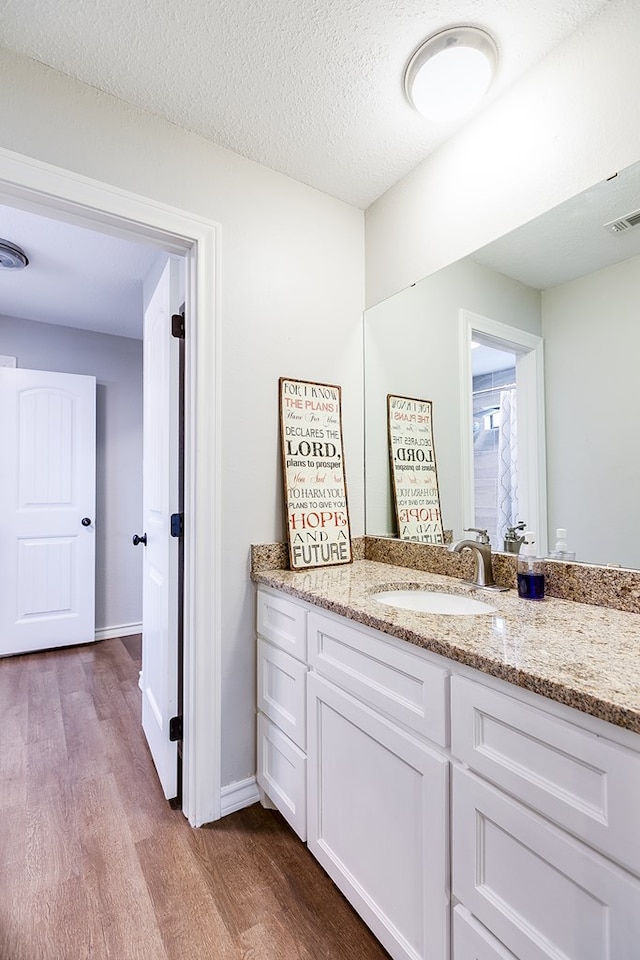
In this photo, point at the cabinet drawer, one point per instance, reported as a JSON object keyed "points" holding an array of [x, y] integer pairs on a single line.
{"points": [[541, 892], [282, 774], [282, 691], [283, 622], [583, 782], [401, 684], [472, 942]]}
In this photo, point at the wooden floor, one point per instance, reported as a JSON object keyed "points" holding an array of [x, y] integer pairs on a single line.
{"points": [[95, 864]]}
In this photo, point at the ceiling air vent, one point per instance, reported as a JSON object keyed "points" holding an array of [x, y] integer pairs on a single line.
{"points": [[624, 223]]}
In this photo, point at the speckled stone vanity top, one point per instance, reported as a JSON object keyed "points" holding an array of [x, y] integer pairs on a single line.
{"points": [[585, 656]]}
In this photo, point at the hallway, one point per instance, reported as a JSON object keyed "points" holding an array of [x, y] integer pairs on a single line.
{"points": [[94, 863]]}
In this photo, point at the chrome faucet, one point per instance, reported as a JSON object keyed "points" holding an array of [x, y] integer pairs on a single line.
{"points": [[512, 540], [481, 547]]}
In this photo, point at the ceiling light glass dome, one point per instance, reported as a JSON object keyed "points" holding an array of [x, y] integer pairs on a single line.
{"points": [[450, 73]]}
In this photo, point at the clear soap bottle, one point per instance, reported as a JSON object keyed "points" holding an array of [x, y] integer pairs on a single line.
{"points": [[562, 551], [530, 570]]}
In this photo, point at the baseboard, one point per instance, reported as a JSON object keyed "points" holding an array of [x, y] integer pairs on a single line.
{"points": [[237, 795], [121, 630]]}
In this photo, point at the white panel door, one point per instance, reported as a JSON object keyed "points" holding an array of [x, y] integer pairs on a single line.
{"points": [[47, 492], [377, 809], [160, 499]]}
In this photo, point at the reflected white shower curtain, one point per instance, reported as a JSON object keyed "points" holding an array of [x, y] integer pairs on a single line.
{"points": [[508, 506]]}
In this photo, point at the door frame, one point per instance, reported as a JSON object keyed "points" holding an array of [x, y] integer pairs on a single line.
{"points": [[49, 190], [529, 350]]}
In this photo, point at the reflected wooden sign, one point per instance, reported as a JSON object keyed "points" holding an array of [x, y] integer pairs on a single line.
{"points": [[414, 475], [315, 489]]}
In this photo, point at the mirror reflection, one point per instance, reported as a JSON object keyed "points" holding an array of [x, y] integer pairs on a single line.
{"points": [[414, 475], [572, 276]]}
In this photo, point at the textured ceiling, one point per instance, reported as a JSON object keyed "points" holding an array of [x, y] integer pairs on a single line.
{"points": [[571, 240], [75, 277], [312, 88]]}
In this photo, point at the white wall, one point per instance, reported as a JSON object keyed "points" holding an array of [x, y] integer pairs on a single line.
{"points": [[412, 349], [292, 292], [116, 362], [569, 123], [592, 345]]}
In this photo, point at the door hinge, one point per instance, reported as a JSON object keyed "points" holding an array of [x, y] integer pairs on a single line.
{"points": [[177, 524], [177, 326], [175, 728]]}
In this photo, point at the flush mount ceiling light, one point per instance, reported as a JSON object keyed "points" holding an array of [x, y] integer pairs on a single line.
{"points": [[451, 72], [12, 257]]}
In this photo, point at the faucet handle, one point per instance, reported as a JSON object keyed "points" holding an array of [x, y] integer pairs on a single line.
{"points": [[483, 535], [512, 532]]}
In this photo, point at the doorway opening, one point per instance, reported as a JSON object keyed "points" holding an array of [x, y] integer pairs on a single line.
{"points": [[99, 426], [495, 441], [66, 196], [502, 404]]}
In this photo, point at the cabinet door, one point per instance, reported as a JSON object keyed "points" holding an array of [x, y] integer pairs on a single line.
{"points": [[282, 769], [471, 941], [377, 821], [541, 892], [584, 783]]}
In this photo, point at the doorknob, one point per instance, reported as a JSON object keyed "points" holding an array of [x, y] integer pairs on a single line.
{"points": [[86, 522], [137, 539]]}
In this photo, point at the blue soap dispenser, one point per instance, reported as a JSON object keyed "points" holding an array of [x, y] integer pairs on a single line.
{"points": [[530, 570]]}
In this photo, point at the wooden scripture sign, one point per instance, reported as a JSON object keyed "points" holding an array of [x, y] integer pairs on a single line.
{"points": [[315, 490], [414, 476]]}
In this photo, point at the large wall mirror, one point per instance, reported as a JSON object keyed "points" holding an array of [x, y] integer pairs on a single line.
{"points": [[573, 278]]}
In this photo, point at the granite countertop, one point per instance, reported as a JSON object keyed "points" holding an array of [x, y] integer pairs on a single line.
{"points": [[585, 656]]}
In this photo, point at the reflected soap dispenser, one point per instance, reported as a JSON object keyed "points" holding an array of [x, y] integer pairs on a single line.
{"points": [[530, 570], [562, 551]]}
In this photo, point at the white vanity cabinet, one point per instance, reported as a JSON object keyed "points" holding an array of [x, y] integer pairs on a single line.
{"points": [[545, 829], [378, 797], [282, 706], [574, 776], [376, 807], [421, 784]]}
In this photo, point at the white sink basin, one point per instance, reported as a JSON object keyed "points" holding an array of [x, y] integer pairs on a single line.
{"points": [[429, 601]]}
